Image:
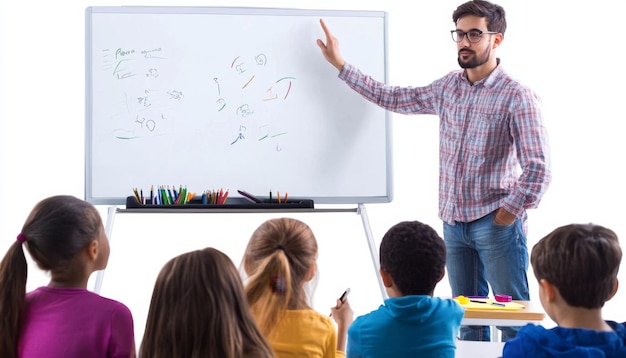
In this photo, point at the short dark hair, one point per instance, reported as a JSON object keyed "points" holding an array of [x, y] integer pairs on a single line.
{"points": [[581, 260], [414, 255], [495, 15]]}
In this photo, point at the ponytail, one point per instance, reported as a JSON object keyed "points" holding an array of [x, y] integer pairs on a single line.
{"points": [[269, 291], [13, 273], [279, 258], [56, 229]]}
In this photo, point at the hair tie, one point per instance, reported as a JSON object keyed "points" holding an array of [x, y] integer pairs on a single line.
{"points": [[281, 247], [278, 284], [21, 238]]}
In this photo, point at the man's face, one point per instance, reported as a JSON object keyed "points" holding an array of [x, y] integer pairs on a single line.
{"points": [[474, 54]]}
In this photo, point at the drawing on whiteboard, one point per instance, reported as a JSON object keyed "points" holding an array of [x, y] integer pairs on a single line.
{"points": [[260, 59], [121, 71], [119, 53], [242, 129], [145, 100], [150, 123], [244, 110], [151, 53], [143, 124], [221, 103], [217, 82], [174, 94], [147, 109], [238, 66], [152, 110], [288, 84], [252, 74], [265, 131], [271, 136], [273, 90], [153, 72], [247, 83], [117, 62]]}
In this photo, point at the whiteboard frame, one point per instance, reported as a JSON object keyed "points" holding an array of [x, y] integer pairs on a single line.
{"points": [[121, 200]]}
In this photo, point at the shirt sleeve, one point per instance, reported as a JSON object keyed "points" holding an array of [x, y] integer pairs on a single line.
{"points": [[403, 100], [122, 343], [531, 141]]}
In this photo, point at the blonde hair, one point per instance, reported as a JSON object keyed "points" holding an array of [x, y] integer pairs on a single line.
{"points": [[279, 259]]}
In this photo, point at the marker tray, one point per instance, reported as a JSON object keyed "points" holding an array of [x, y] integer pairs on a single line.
{"points": [[231, 203]]}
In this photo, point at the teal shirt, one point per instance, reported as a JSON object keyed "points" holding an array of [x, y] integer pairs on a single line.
{"points": [[409, 326]]}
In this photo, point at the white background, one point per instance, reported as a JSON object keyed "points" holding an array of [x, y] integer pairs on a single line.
{"points": [[571, 55]]}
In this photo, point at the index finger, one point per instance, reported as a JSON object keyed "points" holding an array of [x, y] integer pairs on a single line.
{"points": [[326, 31]]}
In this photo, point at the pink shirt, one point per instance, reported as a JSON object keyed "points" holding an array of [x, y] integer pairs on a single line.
{"points": [[73, 323]]}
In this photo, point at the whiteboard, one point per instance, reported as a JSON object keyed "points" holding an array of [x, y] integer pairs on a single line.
{"points": [[233, 98]]}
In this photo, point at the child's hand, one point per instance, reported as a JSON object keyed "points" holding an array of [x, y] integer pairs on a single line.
{"points": [[342, 313]]}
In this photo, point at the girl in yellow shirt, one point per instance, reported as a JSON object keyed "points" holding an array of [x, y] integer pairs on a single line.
{"points": [[280, 259]]}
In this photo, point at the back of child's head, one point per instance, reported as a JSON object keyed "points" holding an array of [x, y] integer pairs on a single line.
{"points": [[279, 260], [199, 309], [582, 261], [54, 233], [414, 255]]}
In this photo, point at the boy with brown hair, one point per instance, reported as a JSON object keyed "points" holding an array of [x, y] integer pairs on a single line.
{"points": [[576, 266]]}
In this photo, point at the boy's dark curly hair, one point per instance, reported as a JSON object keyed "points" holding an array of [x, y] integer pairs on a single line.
{"points": [[414, 255]]}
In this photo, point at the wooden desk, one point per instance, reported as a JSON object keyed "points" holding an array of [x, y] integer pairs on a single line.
{"points": [[532, 313]]}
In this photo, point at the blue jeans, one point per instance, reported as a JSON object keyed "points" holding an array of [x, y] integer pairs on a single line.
{"points": [[482, 254]]}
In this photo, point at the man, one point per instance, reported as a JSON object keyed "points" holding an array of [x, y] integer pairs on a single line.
{"points": [[493, 160]]}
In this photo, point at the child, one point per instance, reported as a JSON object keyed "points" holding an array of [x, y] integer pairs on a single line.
{"points": [[280, 260], [64, 236], [576, 266], [411, 323], [199, 309]]}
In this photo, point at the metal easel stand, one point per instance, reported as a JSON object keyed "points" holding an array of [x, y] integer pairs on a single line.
{"points": [[108, 229], [359, 210], [372, 246]]}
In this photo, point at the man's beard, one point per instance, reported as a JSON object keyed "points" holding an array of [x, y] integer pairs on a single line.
{"points": [[475, 61]]}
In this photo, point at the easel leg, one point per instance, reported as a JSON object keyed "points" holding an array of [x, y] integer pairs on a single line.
{"points": [[372, 246], [108, 229]]}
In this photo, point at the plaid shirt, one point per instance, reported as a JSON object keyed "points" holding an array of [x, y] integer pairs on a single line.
{"points": [[493, 144]]}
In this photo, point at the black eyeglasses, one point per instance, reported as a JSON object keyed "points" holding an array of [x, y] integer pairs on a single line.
{"points": [[472, 35]]}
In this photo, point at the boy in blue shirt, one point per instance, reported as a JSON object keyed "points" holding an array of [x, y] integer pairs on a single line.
{"points": [[410, 323], [576, 266]]}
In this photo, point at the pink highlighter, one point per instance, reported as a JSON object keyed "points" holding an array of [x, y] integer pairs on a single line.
{"points": [[503, 298]]}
